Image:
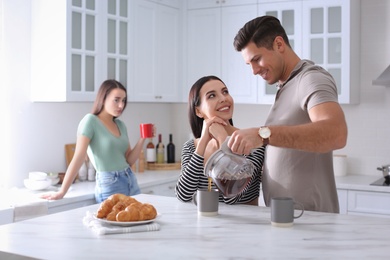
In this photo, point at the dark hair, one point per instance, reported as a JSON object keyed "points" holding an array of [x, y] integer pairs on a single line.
{"points": [[105, 89], [196, 122], [262, 31]]}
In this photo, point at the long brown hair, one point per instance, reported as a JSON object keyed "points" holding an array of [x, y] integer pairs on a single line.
{"points": [[105, 89], [196, 122]]}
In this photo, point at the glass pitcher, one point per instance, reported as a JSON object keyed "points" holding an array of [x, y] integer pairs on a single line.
{"points": [[230, 172]]}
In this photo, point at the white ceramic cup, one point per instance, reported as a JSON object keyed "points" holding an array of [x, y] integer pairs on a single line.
{"points": [[207, 202], [282, 211]]}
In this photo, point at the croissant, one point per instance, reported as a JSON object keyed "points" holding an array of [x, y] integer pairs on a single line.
{"points": [[119, 206], [129, 200], [105, 208], [117, 197], [115, 210], [129, 214], [147, 211], [122, 208], [137, 212], [112, 215]]}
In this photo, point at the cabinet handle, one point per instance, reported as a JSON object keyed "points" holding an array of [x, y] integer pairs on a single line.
{"points": [[158, 97]]}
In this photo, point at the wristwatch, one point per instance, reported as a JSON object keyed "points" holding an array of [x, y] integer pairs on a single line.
{"points": [[265, 134]]}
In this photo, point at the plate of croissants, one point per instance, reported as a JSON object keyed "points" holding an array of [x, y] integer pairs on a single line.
{"points": [[122, 210]]}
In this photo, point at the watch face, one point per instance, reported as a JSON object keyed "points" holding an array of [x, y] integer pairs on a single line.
{"points": [[265, 132]]}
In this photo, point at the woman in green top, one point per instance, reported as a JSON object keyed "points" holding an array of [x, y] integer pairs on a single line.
{"points": [[103, 137]]}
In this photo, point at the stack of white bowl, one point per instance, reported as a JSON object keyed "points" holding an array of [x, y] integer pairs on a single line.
{"points": [[40, 180]]}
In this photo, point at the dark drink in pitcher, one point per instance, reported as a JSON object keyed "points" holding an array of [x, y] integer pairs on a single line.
{"points": [[230, 188]]}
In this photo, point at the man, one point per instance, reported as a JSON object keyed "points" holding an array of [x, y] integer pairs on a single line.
{"points": [[305, 123]]}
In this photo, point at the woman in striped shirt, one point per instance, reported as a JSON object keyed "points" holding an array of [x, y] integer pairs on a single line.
{"points": [[210, 111]]}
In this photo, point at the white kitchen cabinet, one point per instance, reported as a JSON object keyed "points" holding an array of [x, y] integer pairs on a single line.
{"points": [[359, 202], [163, 189], [156, 50], [211, 28], [76, 45], [290, 15], [326, 32], [369, 203], [331, 37]]}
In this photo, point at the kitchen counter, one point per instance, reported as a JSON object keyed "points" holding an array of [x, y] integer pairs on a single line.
{"points": [[360, 182], [239, 231], [28, 204]]}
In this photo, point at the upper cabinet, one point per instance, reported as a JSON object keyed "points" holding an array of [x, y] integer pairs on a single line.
{"points": [[159, 48], [76, 45], [156, 51], [290, 15], [331, 34], [326, 32], [211, 28]]}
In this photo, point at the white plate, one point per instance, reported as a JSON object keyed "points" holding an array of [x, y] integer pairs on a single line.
{"points": [[126, 224]]}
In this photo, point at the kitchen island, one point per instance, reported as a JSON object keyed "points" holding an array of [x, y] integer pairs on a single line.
{"points": [[239, 231]]}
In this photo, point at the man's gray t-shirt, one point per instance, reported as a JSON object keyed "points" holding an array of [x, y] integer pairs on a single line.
{"points": [[305, 176]]}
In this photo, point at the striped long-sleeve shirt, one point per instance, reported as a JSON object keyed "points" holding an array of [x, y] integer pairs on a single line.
{"points": [[192, 177]]}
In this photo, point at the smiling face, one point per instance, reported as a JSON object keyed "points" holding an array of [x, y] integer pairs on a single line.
{"points": [[115, 102], [266, 63], [215, 100]]}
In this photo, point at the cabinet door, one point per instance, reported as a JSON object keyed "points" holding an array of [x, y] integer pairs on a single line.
{"points": [[236, 74], [75, 46], [156, 53], [116, 44], [210, 49], [203, 45], [289, 14], [369, 203], [331, 40]]}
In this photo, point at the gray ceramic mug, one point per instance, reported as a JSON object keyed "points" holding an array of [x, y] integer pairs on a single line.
{"points": [[206, 201], [282, 211]]}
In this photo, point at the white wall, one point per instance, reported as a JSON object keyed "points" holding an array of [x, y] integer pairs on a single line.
{"points": [[39, 131]]}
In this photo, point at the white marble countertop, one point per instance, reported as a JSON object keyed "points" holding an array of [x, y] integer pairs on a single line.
{"points": [[239, 231], [80, 190], [20, 203], [360, 182]]}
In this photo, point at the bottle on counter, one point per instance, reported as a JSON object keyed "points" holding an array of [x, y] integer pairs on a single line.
{"points": [[150, 152], [160, 150], [170, 151]]}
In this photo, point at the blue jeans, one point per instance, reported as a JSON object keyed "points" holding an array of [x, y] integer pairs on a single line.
{"points": [[108, 183]]}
